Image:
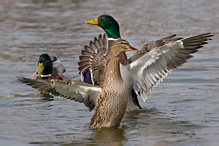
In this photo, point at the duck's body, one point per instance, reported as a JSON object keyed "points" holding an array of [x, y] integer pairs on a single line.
{"points": [[113, 98], [143, 71], [95, 75], [110, 99]]}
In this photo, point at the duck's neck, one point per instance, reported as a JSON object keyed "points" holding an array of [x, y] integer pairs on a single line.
{"points": [[123, 58], [112, 72], [110, 42], [113, 31]]}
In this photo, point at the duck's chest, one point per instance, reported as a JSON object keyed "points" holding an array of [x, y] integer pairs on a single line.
{"points": [[114, 92], [113, 103], [117, 88]]}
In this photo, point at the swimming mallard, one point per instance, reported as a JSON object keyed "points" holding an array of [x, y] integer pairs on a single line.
{"points": [[143, 71], [49, 69], [110, 98]]}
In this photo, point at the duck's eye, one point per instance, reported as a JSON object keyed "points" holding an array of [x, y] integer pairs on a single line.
{"points": [[104, 18], [123, 43]]}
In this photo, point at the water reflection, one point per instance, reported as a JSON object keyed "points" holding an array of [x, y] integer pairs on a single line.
{"points": [[110, 136], [152, 125]]}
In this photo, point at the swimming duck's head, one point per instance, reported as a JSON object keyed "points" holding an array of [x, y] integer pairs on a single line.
{"points": [[44, 65]]}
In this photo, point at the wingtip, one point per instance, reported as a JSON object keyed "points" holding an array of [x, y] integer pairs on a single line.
{"points": [[144, 96], [21, 79]]}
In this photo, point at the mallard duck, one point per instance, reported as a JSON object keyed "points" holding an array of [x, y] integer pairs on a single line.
{"points": [[143, 71], [49, 69], [110, 98]]}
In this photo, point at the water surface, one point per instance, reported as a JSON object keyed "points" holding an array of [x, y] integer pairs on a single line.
{"points": [[183, 109]]}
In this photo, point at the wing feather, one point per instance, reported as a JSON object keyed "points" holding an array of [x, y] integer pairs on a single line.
{"points": [[154, 65], [93, 58], [77, 91]]}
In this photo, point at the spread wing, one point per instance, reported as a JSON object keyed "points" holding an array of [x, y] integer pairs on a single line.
{"points": [[93, 61], [153, 66], [158, 43], [78, 91]]}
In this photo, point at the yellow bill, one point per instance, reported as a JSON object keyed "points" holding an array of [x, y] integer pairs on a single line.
{"points": [[93, 22], [40, 68]]}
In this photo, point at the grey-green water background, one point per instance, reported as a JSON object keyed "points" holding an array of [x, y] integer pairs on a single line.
{"points": [[182, 110]]}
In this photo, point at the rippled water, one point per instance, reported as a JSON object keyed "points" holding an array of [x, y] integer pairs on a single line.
{"points": [[184, 109]]}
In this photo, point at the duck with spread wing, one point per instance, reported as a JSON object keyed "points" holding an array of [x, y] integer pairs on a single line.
{"points": [[110, 98], [143, 71]]}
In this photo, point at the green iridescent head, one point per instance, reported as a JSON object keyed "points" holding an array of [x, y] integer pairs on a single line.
{"points": [[44, 65], [108, 24]]}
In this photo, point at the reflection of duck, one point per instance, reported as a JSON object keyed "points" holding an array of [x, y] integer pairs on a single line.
{"points": [[49, 69], [143, 71], [113, 137], [110, 99]]}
